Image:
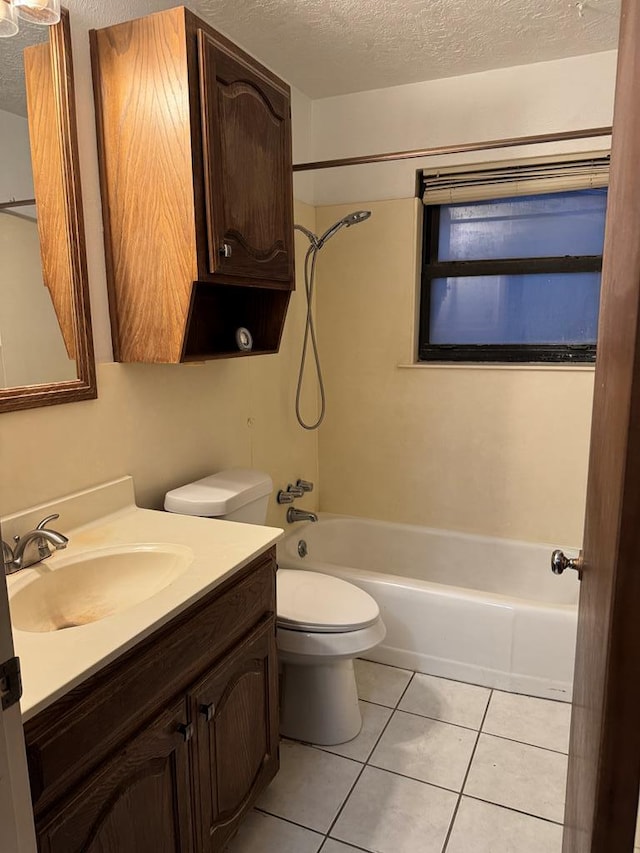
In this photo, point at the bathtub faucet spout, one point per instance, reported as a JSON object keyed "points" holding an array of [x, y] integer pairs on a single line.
{"points": [[294, 514]]}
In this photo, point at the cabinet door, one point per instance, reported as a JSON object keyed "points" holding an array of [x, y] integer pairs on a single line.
{"points": [[139, 802], [246, 128], [237, 734]]}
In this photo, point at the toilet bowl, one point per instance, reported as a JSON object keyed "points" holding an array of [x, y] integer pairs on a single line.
{"points": [[323, 623]]}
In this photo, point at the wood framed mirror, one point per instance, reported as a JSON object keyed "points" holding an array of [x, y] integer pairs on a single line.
{"points": [[46, 344]]}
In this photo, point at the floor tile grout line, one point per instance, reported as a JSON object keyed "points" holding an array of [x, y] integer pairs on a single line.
{"points": [[525, 743], [472, 683], [454, 816], [444, 722], [407, 686], [344, 802], [331, 752], [378, 704], [413, 779], [262, 810], [326, 839], [437, 719], [371, 751], [511, 809]]}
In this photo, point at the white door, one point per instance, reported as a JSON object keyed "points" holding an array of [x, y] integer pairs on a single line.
{"points": [[16, 817]]}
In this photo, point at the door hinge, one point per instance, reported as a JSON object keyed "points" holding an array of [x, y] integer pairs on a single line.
{"points": [[10, 683]]}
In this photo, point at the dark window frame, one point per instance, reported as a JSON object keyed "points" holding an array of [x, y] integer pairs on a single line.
{"points": [[432, 268]]}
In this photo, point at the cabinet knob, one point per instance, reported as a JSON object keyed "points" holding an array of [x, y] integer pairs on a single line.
{"points": [[225, 250], [186, 730], [208, 711]]}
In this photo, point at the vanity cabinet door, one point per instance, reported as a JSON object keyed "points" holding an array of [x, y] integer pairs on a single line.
{"points": [[138, 802], [246, 130], [236, 706]]}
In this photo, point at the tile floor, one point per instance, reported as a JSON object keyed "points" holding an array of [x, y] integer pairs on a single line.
{"points": [[439, 767]]}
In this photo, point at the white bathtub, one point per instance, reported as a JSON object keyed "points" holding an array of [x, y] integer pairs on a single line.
{"points": [[487, 611]]}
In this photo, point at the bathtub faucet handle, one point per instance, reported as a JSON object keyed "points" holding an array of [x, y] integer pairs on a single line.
{"points": [[290, 495], [305, 485], [560, 562]]}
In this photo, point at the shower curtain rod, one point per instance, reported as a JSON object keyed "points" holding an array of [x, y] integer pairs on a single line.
{"points": [[22, 202], [462, 148]]}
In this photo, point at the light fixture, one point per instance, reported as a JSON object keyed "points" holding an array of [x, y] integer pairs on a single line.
{"points": [[38, 11], [8, 20]]}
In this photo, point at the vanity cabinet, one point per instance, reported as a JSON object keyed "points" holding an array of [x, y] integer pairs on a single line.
{"points": [[237, 735], [138, 801], [195, 155], [165, 749]]}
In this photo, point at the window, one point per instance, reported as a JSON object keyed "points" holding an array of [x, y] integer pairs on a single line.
{"points": [[513, 278]]}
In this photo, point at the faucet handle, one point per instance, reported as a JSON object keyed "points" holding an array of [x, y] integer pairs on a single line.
{"points": [[7, 553], [42, 525], [305, 485]]}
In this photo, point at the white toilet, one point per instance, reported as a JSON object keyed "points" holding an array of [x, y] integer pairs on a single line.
{"points": [[323, 622]]}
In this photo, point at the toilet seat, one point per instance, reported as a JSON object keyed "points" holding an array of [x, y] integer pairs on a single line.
{"points": [[310, 646], [311, 602]]}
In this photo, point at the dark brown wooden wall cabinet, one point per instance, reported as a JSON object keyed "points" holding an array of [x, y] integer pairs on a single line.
{"points": [[166, 749], [194, 143]]}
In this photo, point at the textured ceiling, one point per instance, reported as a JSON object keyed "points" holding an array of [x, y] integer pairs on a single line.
{"points": [[12, 93], [333, 47]]}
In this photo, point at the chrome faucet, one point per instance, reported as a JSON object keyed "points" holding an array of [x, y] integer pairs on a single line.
{"points": [[33, 547], [294, 514]]}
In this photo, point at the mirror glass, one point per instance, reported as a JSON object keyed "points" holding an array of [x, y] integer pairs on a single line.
{"points": [[46, 346], [33, 349]]}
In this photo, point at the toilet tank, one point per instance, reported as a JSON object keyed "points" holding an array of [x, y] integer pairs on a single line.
{"points": [[239, 494]]}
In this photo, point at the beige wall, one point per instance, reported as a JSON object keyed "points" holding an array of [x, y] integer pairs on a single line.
{"points": [[498, 451], [167, 424], [564, 94]]}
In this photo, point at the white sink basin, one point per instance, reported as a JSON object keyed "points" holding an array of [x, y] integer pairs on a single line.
{"points": [[92, 586]]}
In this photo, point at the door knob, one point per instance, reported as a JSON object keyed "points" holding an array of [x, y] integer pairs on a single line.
{"points": [[225, 250], [560, 562]]}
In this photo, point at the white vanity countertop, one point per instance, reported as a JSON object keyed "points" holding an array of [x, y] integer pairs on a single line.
{"points": [[54, 662]]}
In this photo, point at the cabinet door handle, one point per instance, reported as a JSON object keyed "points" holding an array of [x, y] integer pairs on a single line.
{"points": [[208, 711], [225, 250], [186, 730]]}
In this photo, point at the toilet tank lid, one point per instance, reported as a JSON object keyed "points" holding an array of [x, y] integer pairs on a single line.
{"points": [[219, 494]]}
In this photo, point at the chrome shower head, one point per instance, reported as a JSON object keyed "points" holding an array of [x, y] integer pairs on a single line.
{"points": [[357, 216], [348, 220]]}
